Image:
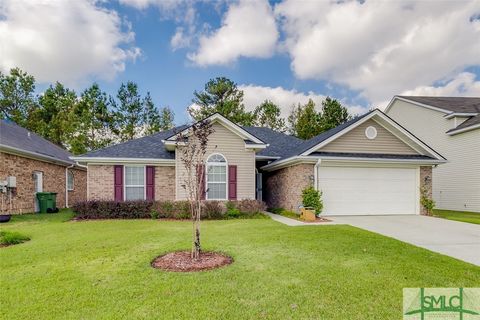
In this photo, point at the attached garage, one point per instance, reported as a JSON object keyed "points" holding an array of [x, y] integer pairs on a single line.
{"points": [[369, 190]]}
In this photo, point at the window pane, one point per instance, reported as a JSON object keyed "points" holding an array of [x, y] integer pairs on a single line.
{"points": [[217, 191], [216, 158], [134, 176], [134, 193], [70, 181]]}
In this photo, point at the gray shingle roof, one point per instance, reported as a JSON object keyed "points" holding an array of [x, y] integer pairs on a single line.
{"points": [[149, 147], [279, 143], [14, 136], [453, 104]]}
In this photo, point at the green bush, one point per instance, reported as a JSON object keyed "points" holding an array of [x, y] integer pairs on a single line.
{"points": [[213, 210], [9, 238], [312, 198]]}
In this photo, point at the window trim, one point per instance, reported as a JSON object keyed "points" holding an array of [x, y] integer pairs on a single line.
{"points": [[223, 164], [135, 185], [70, 173]]}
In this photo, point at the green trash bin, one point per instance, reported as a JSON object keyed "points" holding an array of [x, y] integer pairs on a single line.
{"points": [[47, 200]]}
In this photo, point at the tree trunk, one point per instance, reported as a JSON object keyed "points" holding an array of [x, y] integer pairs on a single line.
{"points": [[196, 231]]}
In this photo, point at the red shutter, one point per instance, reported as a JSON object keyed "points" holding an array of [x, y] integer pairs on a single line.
{"points": [[201, 180], [232, 182], [150, 183], [118, 182]]}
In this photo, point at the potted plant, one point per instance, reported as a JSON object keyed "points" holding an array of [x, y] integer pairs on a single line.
{"points": [[312, 202]]}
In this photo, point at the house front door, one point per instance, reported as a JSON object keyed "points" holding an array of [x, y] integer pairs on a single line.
{"points": [[259, 188], [38, 187]]}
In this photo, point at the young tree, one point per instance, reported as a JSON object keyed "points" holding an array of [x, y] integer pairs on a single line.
{"points": [[305, 121], [128, 112], [333, 114], [192, 147], [17, 100], [268, 115], [92, 121], [54, 118], [220, 95]]}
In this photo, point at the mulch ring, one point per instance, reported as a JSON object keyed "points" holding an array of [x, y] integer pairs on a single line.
{"points": [[181, 261]]}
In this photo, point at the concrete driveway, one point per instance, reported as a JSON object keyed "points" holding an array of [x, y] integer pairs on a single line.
{"points": [[455, 239]]}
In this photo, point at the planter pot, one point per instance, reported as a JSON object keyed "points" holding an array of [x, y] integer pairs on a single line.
{"points": [[5, 217]]}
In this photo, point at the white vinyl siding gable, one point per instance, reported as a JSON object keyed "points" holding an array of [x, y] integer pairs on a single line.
{"points": [[456, 184], [355, 141]]}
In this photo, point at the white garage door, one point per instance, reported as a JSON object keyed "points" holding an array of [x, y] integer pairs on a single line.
{"points": [[368, 191]]}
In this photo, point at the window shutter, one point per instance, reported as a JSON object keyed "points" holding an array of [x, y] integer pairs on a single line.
{"points": [[201, 180], [232, 182], [118, 182], [150, 182]]}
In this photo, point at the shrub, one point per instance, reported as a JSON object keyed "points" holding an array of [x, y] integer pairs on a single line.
{"points": [[9, 238], [96, 209], [213, 210], [250, 207], [312, 198], [427, 202]]}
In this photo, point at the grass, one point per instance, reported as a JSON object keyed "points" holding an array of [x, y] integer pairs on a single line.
{"points": [[12, 237], [101, 270], [464, 216]]}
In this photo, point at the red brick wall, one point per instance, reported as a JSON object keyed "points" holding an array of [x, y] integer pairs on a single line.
{"points": [[283, 188], [53, 181]]}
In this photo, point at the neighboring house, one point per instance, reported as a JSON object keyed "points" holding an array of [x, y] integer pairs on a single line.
{"points": [[370, 165], [38, 165], [450, 125]]}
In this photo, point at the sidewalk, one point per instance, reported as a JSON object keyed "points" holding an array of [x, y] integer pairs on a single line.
{"points": [[295, 223]]}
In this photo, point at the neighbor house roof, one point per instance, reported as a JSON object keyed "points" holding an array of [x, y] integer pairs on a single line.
{"points": [[463, 107], [18, 140]]}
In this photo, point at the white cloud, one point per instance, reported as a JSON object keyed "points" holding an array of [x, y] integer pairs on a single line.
{"points": [[248, 29], [67, 41], [380, 48], [285, 99], [464, 84]]}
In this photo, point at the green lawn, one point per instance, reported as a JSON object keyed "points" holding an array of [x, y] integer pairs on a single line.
{"points": [[101, 270], [464, 216]]}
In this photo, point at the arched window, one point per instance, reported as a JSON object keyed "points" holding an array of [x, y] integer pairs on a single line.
{"points": [[70, 180], [216, 177]]}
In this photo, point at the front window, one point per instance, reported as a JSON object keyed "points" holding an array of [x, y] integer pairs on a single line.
{"points": [[216, 177], [70, 181], [134, 183]]}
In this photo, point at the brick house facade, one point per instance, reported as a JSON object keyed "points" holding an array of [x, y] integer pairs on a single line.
{"points": [[54, 180]]}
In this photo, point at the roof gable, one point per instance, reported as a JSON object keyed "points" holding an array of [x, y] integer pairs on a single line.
{"points": [[356, 141]]}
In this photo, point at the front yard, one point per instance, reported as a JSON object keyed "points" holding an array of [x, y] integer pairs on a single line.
{"points": [[101, 270]]}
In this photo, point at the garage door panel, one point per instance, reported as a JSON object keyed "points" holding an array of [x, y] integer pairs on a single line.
{"points": [[362, 191]]}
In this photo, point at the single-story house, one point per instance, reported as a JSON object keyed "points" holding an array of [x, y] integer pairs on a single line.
{"points": [[450, 125], [369, 165], [36, 165]]}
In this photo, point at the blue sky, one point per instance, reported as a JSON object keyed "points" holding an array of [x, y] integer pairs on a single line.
{"points": [[361, 53]]}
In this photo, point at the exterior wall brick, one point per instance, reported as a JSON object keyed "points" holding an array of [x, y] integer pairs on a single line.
{"points": [[53, 181], [426, 182], [79, 192], [100, 182], [165, 183], [283, 188]]}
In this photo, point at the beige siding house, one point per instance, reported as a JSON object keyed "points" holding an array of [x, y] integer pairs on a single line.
{"points": [[452, 127], [367, 166]]}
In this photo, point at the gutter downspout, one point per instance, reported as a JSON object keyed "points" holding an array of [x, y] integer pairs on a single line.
{"points": [[315, 173], [66, 184]]}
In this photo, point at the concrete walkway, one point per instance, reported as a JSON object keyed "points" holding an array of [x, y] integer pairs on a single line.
{"points": [[456, 239], [294, 223]]}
